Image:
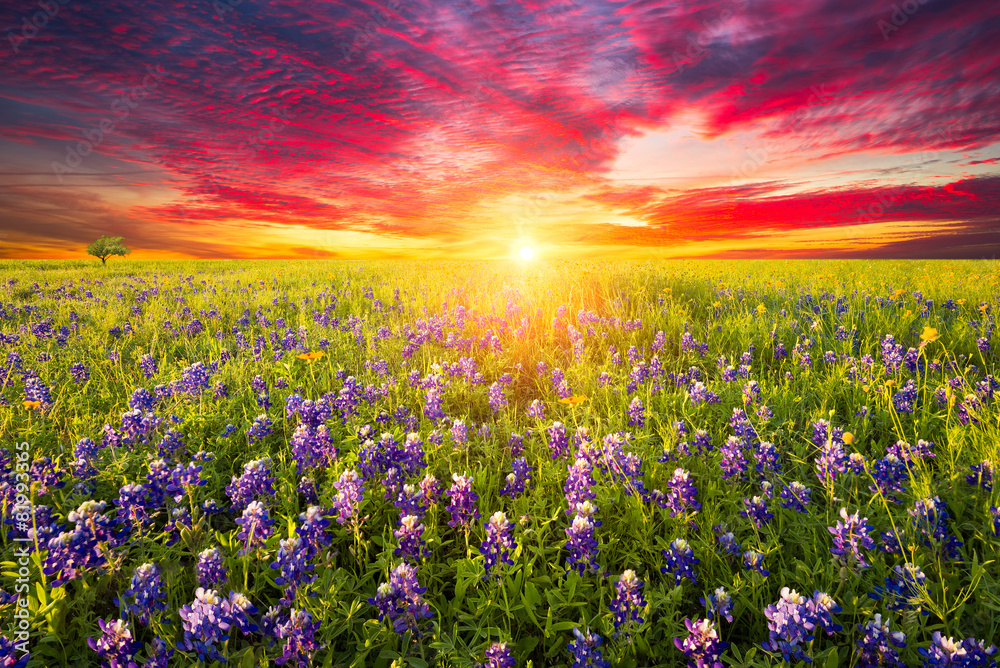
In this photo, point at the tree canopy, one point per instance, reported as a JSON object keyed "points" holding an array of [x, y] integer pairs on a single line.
{"points": [[106, 246]]}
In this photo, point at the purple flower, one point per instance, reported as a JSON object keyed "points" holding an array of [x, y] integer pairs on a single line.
{"points": [[850, 536], [982, 475], [969, 653], [727, 542], [313, 528], [497, 397], [115, 647], [636, 413], [260, 428], [904, 588], [580, 541], [754, 561], [159, 654], [536, 409], [206, 621], [877, 646], [793, 620], [628, 602], [292, 562], [930, 520], [350, 493], [681, 493], [995, 512], [498, 656], [499, 542], [463, 501], [719, 604], [210, 568], [256, 481], [256, 527], [585, 650], [579, 484], [756, 511], [558, 440], [411, 542], [400, 600], [298, 631], [795, 496], [459, 433], [518, 479], [679, 560], [889, 475], [702, 647], [734, 461], [146, 593], [80, 373]]}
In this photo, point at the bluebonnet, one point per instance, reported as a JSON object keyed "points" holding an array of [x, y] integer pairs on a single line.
{"points": [[400, 600], [968, 653], [794, 620], [754, 561], [681, 493], [930, 520], [850, 537], [463, 501], [292, 562], [313, 529], [205, 622], [298, 631], [498, 655], [499, 542], [536, 409], [159, 654], [628, 602], [727, 542], [410, 536], [982, 475], [702, 647], [350, 493], [116, 647], [719, 604], [146, 595], [580, 541], [889, 474], [260, 428], [256, 527], [795, 496], [755, 510], [256, 481], [210, 568], [904, 588], [733, 462], [558, 440], [877, 646], [679, 561], [517, 480], [579, 484], [585, 650], [636, 413]]}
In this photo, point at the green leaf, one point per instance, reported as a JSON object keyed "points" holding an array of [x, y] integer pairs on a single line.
{"points": [[833, 660]]}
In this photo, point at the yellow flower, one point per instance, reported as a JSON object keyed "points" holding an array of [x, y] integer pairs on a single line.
{"points": [[929, 334], [848, 438], [716, 304], [311, 357], [574, 400], [908, 312], [761, 308], [32, 404], [960, 301], [890, 383]]}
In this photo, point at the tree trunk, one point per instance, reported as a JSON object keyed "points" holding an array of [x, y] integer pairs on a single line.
{"points": [[104, 260]]}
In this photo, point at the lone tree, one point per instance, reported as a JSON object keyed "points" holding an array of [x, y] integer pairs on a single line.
{"points": [[105, 247]]}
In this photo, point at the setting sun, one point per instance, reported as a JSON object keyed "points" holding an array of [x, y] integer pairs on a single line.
{"points": [[526, 252]]}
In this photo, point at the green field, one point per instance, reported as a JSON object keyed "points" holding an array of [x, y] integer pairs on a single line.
{"points": [[473, 330]]}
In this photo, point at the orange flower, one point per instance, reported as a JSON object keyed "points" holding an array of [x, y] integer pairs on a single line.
{"points": [[32, 404], [574, 400], [311, 357]]}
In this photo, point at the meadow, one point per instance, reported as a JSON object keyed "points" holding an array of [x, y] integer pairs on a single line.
{"points": [[704, 463]]}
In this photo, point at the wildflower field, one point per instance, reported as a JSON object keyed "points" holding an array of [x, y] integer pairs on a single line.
{"points": [[685, 463]]}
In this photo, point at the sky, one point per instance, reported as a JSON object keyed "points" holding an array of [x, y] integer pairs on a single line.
{"points": [[469, 130]]}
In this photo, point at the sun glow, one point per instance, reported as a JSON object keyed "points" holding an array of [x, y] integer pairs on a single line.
{"points": [[526, 253]]}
